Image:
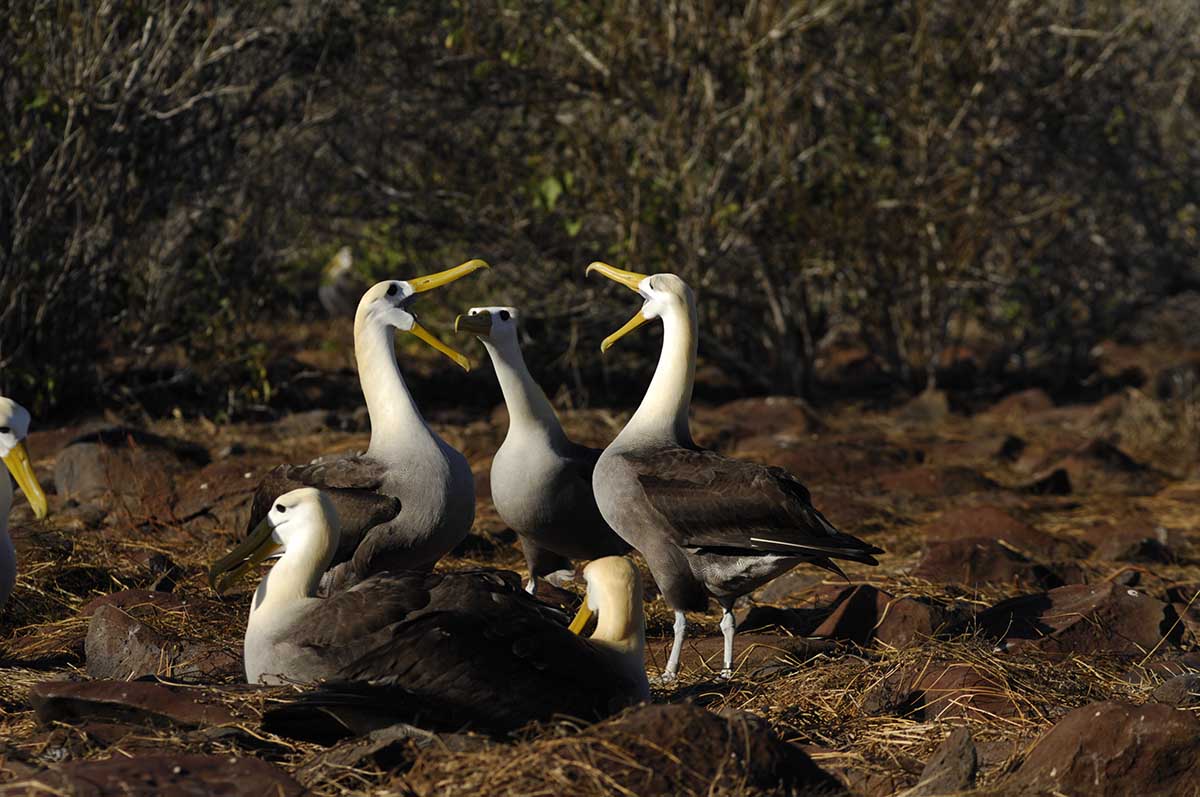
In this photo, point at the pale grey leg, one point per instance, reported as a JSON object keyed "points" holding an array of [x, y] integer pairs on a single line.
{"points": [[672, 670], [728, 627]]}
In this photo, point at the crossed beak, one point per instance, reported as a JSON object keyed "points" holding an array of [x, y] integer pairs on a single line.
{"points": [[631, 280], [260, 546], [428, 283], [21, 468], [479, 324]]}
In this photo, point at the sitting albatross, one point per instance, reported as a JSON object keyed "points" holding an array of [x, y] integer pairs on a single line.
{"points": [[457, 648], [14, 426], [708, 525], [541, 480], [406, 464]]}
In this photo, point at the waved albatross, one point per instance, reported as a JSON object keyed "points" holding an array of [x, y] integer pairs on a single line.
{"points": [[707, 524], [457, 648], [541, 481], [410, 498], [14, 426]]}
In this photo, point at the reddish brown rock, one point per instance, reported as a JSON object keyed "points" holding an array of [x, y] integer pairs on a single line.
{"points": [[1182, 691], [1136, 539], [767, 415], [993, 523], [927, 481], [1083, 618], [123, 463], [1114, 749], [161, 776], [136, 702], [975, 561], [964, 690], [951, 768], [1100, 466], [122, 647], [866, 615]]}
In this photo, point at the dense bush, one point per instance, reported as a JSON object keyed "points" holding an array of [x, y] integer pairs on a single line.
{"points": [[909, 175]]}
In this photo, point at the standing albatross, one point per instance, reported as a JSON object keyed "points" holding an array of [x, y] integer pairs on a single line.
{"points": [[708, 525], [14, 426], [410, 498], [456, 648], [541, 481]]}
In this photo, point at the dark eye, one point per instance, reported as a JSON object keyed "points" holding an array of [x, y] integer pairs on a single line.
{"points": [[392, 289], [280, 508], [4, 430], [504, 315]]}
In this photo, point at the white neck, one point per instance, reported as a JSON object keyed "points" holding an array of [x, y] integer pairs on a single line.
{"points": [[296, 574], [8, 558], [621, 628], [529, 411], [395, 419], [663, 413]]}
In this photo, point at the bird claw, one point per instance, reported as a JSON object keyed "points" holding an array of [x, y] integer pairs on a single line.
{"points": [[725, 675], [665, 679]]}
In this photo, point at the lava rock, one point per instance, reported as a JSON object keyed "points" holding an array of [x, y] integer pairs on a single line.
{"points": [[927, 481], [973, 561], [864, 615], [128, 702], [121, 647], [1021, 404], [163, 776], [1084, 618], [1182, 691], [1114, 749], [951, 768], [124, 463]]}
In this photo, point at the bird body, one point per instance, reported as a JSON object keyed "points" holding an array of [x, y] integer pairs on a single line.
{"points": [[14, 426], [409, 499], [469, 647], [709, 526], [541, 481]]}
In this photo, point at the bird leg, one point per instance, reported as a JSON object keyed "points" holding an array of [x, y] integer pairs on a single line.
{"points": [[672, 670], [728, 628]]}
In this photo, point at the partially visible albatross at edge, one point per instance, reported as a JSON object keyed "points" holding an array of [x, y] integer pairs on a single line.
{"points": [[457, 649], [541, 481], [707, 524], [410, 498], [14, 426]]}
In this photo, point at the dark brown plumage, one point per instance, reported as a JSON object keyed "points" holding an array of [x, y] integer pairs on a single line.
{"points": [[448, 651]]}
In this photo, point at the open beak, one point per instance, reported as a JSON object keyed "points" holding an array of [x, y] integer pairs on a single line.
{"points": [[581, 619], [631, 280], [21, 468], [253, 551], [478, 324], [428, 283]]}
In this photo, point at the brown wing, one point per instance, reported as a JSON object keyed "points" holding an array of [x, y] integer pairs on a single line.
{"points": [[352, 483], [713, 502]]}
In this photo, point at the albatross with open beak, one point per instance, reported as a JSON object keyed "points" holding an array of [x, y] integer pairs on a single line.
{"points": [[406, 464], [541, 481], [14, 426], [457, 648], [708, 525]]}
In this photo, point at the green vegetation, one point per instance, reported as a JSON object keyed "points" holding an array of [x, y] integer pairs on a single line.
{"points": [[906, 176]]}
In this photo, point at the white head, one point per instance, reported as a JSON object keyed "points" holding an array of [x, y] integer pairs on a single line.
{"points": [[14, 426], [302, 528], [390, 304], [614, 595], [497, 325], [663, 294]]}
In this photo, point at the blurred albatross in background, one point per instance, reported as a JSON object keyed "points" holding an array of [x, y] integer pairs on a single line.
{"points": [[708, 525]]}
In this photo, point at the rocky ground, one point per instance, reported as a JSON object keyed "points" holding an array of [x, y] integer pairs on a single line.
{"points": [[1032, 628]]}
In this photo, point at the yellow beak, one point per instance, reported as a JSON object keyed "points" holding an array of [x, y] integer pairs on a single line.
{"points": [[479, 324], [428, 283], [21, 468], [581, 619], [254, 550], [631, 280], [431, 281]]}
